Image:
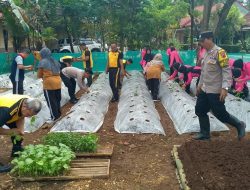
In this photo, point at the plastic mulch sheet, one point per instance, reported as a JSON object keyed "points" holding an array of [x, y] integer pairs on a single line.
{"points": [[235, 106], [136, 109], [181, 108], [88, 114]]}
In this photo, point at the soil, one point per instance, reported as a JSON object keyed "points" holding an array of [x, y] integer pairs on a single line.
{"points": [[139, 162], [217, 165]]}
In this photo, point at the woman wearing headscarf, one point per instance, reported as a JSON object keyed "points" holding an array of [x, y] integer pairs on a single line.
{"points": [[49, 72], [153, 74]]}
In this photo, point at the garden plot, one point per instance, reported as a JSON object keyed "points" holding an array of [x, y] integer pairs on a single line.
{"points": [[88, 114], [181, 108], [214, 165], [136, 109], [235, 106], [33, 87]]}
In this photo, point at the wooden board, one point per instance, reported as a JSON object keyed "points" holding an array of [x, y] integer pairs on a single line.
{"points": [[102, 151], [80, 169], [180, 169]]}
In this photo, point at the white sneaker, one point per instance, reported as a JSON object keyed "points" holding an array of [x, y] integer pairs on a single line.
{"points": [[49, 121]]}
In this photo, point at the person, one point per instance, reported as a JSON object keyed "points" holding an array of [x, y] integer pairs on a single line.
{"points": [[17, 71], [245, 70], [70, 83], [143, 53], [37, 56], [168, 51], [114, 64], [78, 74], [148, 56], [13, 110], [174, 58], [87, 61], [49, 72], [153, 74], [188, 73], [200, 54], [212, 89], [125, 63], [238, 89]]}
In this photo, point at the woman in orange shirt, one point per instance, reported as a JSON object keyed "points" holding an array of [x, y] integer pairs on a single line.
{"points": [[153, 74], [49, 71]]}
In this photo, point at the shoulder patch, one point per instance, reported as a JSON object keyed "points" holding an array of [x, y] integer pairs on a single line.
{"points": [[222, 58]]}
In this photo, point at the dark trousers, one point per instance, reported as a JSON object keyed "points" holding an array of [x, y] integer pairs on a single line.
{"points": [[205, 102], [90, 78], [188, 89], [53, 98], [17, 87], [113, 81], [70, 83], [154, 87]]}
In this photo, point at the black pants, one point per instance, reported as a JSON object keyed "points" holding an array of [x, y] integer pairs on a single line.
{"points": [[188, 89], [53, 98], [90, 78], [154, 87], [113, 81], [205, 102], [70, 83], [17, 87]]}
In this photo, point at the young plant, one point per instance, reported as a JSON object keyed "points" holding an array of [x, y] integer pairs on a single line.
{"points": [[75, 141], [42, 160]]}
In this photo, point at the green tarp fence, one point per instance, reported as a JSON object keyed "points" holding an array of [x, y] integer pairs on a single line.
{"points": [[100, 59]]}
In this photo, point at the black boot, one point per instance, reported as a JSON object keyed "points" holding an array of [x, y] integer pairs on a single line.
{"points": [[204, 129], [17, 146], [239, 125], [4, 168]]}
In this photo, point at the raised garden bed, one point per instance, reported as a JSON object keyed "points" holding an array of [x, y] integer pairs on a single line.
{"points": [[214, 165]]}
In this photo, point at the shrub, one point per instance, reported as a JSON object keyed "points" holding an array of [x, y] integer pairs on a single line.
{"points": [[75, 141]]}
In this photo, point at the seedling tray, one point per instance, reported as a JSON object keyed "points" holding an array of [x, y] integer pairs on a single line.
{"points": [[80, 169]]}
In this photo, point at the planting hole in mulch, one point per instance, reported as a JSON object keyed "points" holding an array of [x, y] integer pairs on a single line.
{"points": [[216, 165]]}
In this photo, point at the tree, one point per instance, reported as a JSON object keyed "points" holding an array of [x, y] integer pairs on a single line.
{"points": [[223, 15], [208, 4]]}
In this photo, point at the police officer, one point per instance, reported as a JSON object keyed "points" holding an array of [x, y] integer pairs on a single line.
{"points": [[87, 61], [70, 83], [13, 110], [114, 64], [17, 71], [212, 89]]}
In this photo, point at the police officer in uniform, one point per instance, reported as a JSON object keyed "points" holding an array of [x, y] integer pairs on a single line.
{"points": [[212, 89], [13, 110], [87, 61], [114, 64]]}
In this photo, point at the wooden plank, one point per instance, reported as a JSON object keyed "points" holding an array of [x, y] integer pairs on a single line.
{"points": [[180, 169], [86, 169], [102, 151]]}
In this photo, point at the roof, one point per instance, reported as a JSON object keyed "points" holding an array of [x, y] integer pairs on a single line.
{"points": [[186, 21], [247, 18]]}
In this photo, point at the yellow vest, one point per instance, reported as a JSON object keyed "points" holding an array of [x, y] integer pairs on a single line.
{"points": [[13, 102], [113, 59], [90, 59], [124, 61]]}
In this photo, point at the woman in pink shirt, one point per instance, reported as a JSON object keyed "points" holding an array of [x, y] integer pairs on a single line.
{"points": [[238, 89], [245, 70], [188, 73], [174, 58]]}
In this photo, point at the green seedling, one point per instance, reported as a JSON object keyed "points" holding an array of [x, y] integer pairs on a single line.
{"points": [[75, 141], [42, 160]]}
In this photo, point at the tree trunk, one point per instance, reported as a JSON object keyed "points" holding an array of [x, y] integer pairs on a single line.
{"points": [[6, 39], [68, 34], [191, 13], [208, 4], [222, 16]]}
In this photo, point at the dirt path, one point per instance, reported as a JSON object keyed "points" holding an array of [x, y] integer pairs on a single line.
{"points": [[139, 162]]}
